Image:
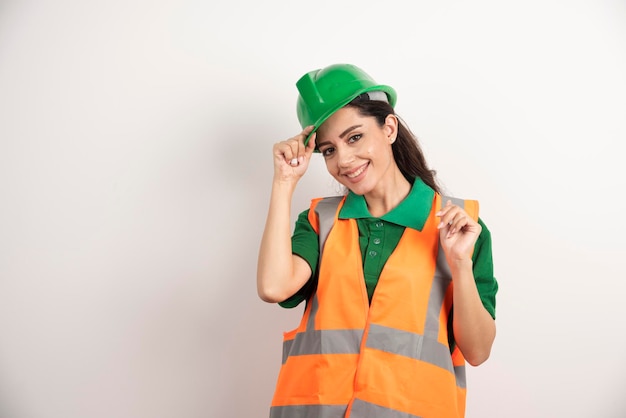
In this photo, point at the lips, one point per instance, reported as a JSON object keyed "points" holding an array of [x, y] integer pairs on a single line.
{"points": [[356, 173]]}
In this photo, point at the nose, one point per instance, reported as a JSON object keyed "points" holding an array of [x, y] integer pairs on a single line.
{"points": [[345, 156]]}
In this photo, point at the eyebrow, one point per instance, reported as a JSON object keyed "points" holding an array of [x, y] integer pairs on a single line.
{"points": [[344, 133], [341, 135]]}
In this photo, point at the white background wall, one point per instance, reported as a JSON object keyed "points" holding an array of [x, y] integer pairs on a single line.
{"points": [[135, 167]]}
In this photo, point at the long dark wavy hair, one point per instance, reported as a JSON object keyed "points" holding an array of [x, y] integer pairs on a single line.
{"points": [[406, 150]]}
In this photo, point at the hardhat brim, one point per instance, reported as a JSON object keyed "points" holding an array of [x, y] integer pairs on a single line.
{"points": [[389, 91]]}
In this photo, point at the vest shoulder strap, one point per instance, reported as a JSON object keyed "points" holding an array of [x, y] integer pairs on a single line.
{"points": [[326, 209]]}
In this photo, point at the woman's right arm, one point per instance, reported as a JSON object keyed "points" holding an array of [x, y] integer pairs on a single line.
{"points": [[280, 274]]}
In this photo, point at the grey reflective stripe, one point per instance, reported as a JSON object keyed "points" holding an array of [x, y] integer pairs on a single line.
{"points": [[287, 348], [325, 211], [409, 344], [312, 341], [440, 283], [333, 341], [315, 305], [308, 411], [455, 201], [459, 371], [444, 275], [362, 409]]}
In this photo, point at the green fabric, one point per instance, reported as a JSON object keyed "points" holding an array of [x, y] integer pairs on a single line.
{"points": [[378, 237]]}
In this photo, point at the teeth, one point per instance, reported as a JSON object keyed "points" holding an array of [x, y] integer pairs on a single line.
{"points": [[356, 173]]}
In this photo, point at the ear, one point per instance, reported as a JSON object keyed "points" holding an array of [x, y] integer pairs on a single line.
{"points": [[391, 128]]}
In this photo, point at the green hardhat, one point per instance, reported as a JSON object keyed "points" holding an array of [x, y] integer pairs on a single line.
{"points": [[326, 90]]}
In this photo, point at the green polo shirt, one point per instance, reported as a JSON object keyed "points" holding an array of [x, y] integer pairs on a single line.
{"points": [[378, 237]]}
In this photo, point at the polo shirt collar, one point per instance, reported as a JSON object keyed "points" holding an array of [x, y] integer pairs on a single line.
{"points": [[411, 212]]}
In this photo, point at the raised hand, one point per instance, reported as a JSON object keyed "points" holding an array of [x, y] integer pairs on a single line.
{"points": [[291, 157], [458, 233]]}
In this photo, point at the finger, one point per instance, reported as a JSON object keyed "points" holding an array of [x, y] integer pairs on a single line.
{"points": [[457, 224], [308, 135], [310, 146], [298, 149], [444, 208], [448, 223], [447, 214], [294, 144], [464, 223], [285, 151], [305, 150]]}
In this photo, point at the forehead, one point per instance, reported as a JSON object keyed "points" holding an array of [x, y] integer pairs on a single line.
{"points": [[340, 121]]}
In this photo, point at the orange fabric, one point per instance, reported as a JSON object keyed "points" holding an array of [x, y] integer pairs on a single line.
{"points": [[305, 385]]}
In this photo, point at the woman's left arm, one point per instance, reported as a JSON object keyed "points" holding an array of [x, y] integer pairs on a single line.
{"points": [[474, 328]]}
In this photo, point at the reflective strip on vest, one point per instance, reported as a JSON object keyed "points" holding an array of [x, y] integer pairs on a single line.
{"points": [[360, 409], [363, 409], [333, 341], [410, 345], [308, 411], [420, 347], [325, 211]]}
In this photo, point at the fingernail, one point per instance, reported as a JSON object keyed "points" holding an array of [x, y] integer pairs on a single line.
{"points": [[294, 161], [440, 225], [301, 159]]}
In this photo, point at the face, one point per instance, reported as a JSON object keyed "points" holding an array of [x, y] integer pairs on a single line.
{"points": [[357, 150]]}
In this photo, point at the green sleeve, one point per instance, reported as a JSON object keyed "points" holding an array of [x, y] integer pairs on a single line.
{"points": [[483, 270], [305, 244]]}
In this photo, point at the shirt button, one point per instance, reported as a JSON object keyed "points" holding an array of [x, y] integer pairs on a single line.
{"points": [[376, 241], [373, 253], [379, 224]]}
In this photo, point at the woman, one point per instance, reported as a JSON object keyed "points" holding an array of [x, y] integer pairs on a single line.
{"points": [[398, 279]]}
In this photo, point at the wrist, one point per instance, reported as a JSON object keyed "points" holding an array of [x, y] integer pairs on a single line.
{"points": [[284, 185], [459, 265]]}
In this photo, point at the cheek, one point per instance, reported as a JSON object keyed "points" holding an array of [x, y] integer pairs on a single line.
{"points": [[368, 149], [375, 150], [331, 168]]}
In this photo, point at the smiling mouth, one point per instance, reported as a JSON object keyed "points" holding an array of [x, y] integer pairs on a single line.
{"points": [[357, 172]]}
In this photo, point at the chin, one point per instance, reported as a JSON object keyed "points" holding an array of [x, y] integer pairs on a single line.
{"points": [[359, 189]]}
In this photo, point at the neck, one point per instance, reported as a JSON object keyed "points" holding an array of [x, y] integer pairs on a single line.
{"points": [[388, 195]]}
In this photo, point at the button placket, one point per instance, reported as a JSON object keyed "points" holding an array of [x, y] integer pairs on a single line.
{"points": [[375, 239]]}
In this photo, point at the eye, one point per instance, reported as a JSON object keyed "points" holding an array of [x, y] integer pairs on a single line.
{"points": [[327, 152], [354, 138]]}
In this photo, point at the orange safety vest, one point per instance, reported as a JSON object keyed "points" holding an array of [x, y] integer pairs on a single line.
{"points": [[387, 359]]}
